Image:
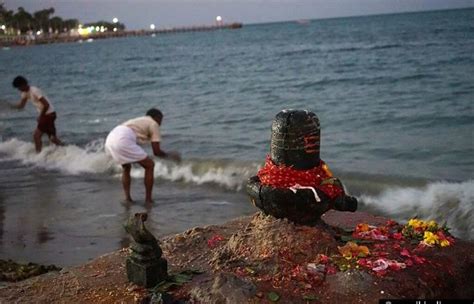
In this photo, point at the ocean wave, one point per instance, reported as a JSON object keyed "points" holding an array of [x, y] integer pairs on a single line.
{"points": [[446, 202], [361, 80], [135, 58], [91, 159], [401, 198], [338, 48], [138, 84], [69, 159]]}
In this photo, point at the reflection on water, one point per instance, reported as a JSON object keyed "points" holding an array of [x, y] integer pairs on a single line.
{"points": [[43, 235], [68, 220]]}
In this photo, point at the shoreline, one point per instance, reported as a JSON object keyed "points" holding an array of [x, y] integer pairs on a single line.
{"points": [[227, 271], [25, 40]]}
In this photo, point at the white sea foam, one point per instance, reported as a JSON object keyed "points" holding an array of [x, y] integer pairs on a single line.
{"points": [[69, 159], [448, 202], [76, 160]]}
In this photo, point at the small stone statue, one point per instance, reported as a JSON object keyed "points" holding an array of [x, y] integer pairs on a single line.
{"points": [[145, 266]]}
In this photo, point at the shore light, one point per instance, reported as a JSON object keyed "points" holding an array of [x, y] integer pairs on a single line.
{"points": [[115, 20], [115, 29], [38, 33], [83, 31], [218, 18], [152, 26], [3, 27], [97, 28]]}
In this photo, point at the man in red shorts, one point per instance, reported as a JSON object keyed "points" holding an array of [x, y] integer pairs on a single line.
{"points": [[47, 115]]}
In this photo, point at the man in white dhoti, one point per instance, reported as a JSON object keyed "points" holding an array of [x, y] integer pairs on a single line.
{"points": [[122, 145]]}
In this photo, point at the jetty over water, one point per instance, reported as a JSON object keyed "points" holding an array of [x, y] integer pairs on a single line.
{"points": [[23, 40]]}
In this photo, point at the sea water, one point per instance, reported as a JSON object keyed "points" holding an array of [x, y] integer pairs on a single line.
{"points": [[394, 95]]}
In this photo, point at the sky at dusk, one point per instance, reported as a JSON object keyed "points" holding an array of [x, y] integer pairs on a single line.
{"points": [[138, 14]]}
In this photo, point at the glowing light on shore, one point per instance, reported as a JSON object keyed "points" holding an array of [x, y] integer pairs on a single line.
{"points": [[219, 19], [115, 20], [115, 29], [38, 33], [3, 27], [152, 26], [85, 31]]}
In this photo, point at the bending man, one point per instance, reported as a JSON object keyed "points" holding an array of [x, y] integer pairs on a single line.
{"points": [[122, 145]]}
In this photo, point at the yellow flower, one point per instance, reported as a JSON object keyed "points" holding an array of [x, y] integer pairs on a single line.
{"points": [[415, 223], [432, 225], [430, 238], [444, 243]]}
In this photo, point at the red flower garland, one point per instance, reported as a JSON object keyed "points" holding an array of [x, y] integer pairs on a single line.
{"points": [[286, 177]]}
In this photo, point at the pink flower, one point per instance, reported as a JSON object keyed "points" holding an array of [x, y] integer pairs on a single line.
{"points": [[364, 263], [391, 223], [396, 246], [418, 259], [214, 241], [331, 269], [323, 259], [405, 253], [397, 236]]}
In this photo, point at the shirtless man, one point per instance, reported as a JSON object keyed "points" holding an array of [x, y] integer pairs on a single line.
{"points": [[47, 115], [122, 145]]}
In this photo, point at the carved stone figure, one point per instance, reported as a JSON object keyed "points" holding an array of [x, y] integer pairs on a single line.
{"points": [[145, 265], [295, 183]]}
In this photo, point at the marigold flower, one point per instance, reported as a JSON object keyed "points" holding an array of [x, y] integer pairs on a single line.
{"points": [[363, 227], [444, 243], [417, 224], [352, 250], [430, 239]]}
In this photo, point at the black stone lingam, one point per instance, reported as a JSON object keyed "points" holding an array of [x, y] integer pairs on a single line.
{"points": [[295, 142], [145, 266], [296, 139]]}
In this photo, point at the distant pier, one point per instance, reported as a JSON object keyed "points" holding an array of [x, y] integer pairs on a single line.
{"points": [[23, 40]]}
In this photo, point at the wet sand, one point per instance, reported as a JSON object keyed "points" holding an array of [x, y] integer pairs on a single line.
{"points": [[50, 218]]}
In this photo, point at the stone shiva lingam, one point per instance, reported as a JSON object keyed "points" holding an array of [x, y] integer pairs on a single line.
{"points": [[295, 183], [145, 266]]}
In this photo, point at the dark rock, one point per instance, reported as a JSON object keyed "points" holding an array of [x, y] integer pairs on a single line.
{"points": [[295, 139], [11, 271]]}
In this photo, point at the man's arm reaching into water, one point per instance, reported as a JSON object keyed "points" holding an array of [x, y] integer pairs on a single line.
{"points": [[162, 154]]}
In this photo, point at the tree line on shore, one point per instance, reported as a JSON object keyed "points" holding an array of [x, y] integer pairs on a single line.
{"points": [[43, 21]]}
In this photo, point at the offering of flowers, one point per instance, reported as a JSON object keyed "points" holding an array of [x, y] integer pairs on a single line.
{"points": [[429, 233]]}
